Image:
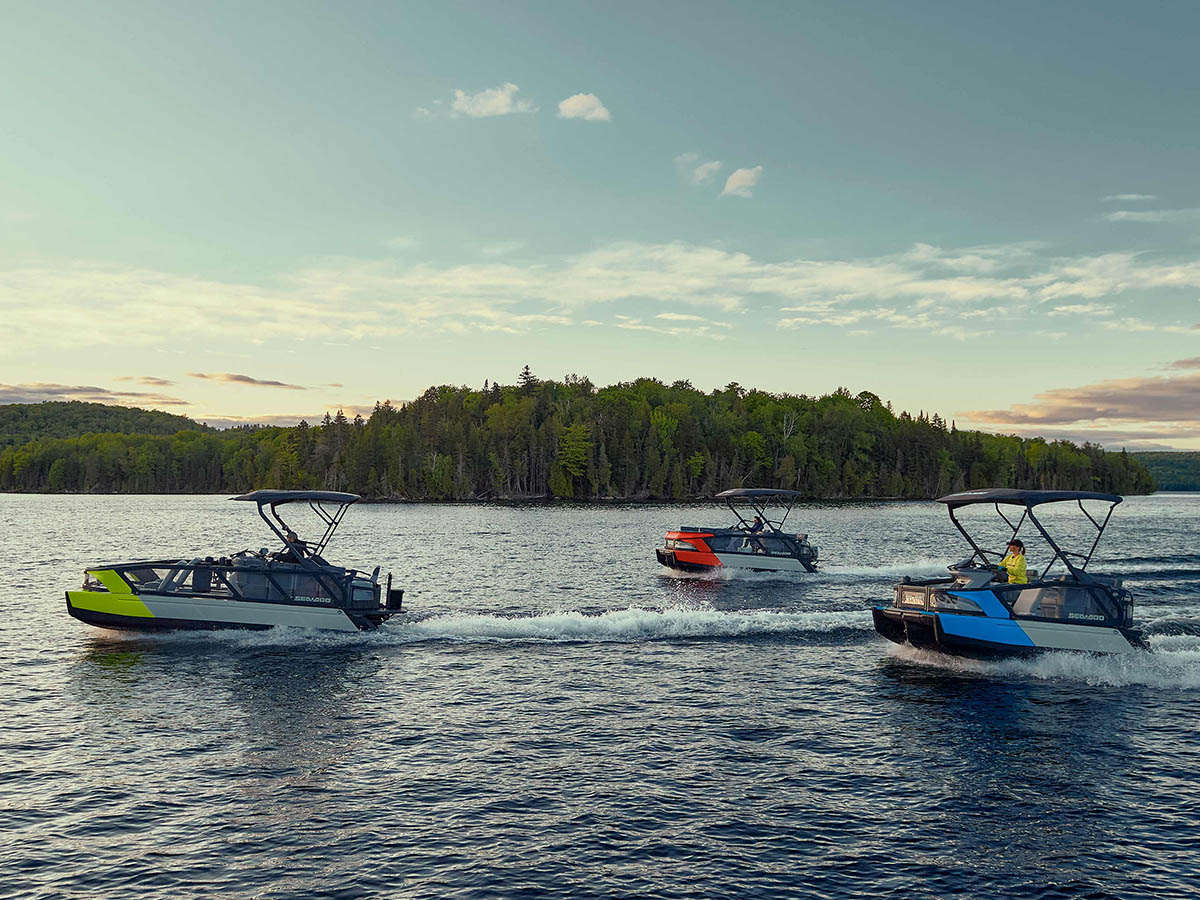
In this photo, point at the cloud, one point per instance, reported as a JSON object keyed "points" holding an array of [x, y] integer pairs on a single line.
{"points": [[149, 380], [1173, 399], [40, 391], [943, 291], [497, 101], [695, 170], [696, 326], [1127, 198], [1168, 216], [584, 106], [231, 378], [741, 182], [282, 420], [1082, 309], [287, 420], [1132, 438]]}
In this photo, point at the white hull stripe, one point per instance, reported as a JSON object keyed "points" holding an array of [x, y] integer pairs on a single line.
{"points": [[239, 612], [1063, 636], [760, 561]]}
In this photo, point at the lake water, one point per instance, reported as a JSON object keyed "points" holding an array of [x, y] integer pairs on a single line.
{"points": [[557, 715]]}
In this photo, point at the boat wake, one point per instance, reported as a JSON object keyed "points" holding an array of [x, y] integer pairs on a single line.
{"points": [[1172, 662], [630, 625], [916, 568]]}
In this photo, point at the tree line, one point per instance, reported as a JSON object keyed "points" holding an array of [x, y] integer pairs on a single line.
{"points": [[1173, 470], [24, 422], [570, 440]]}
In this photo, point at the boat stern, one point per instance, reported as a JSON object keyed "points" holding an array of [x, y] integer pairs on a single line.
{"points": [[688, 551]]}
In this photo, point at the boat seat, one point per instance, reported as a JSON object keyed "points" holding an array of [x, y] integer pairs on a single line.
{"points": [[1044, 601]]}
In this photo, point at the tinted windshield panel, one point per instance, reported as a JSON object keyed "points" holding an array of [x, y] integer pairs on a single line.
{"points": [[1067, 602]]}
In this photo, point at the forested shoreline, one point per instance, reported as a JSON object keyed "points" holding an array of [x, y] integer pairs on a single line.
{"points": [[1174, 470], [568, 440]]}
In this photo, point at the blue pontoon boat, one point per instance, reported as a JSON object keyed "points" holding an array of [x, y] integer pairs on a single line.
{"points": [[976, 612]]}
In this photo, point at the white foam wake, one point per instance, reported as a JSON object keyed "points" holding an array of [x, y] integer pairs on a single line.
{"points": [[1172, 662], [917, 568], [626, 625], [629, 625]]}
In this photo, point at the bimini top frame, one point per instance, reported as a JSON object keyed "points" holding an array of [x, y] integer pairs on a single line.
{"points": [[760, 498], [316, 501], [1028, 500]]}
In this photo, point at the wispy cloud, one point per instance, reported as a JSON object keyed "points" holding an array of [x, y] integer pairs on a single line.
{"points": [[696, 170], [232, 378], [741, 182], [1082, 309], [696, 326], [584, 106], [497, 101], [1168, 216], [286, 420], [39, 391], [1127, 198], [149, 380], [924, 287]]}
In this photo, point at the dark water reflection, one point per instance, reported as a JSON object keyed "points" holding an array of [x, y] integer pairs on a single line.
{"points": [[560, 717]]}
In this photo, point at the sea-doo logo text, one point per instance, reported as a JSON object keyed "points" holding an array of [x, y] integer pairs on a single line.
{"points": [[299, 599], [1088, 616]]}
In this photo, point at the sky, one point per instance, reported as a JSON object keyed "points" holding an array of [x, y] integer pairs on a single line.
{"points": [[257, 212]]}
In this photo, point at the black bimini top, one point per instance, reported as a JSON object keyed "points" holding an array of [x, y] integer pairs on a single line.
{"points": [[1014, 497], [274, 498], [733, 493]]}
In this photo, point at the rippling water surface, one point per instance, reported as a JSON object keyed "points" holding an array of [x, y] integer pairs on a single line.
{"points": [[557, 715]]}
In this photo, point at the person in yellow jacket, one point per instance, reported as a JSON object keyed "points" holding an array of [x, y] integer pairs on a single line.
{"points": [[1014, 562]]}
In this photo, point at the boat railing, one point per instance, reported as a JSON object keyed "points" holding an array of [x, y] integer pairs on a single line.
{"points": [[248, 579], [1060, 599]]}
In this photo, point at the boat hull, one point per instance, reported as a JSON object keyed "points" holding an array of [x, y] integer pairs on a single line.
{"points": [[986, 637], [689, 561], [158, 612]]}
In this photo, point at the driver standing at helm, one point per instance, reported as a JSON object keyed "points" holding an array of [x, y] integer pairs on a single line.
{"points": [[1014, 562]]}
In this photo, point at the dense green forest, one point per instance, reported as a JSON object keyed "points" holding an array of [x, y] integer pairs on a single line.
{"points": [[24, 422], [1173, 470], [570, 440]]}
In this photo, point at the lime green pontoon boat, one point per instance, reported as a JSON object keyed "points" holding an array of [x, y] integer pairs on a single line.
{"points": [[293, 586]]}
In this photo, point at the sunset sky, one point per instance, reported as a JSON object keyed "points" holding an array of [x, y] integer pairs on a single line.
{"points": [[263, 211]]}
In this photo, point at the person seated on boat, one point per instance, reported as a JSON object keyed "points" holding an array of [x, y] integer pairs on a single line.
{"points": [[1013, 564], [756, 527], [294, 550]]}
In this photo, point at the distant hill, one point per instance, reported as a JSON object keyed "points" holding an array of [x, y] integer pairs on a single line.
{"points": [[21, 423], [1173, 470]]}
